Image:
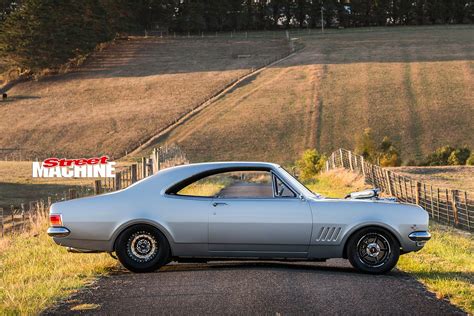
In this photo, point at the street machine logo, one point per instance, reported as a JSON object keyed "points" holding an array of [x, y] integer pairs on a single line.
{"points": [[99, 167]]}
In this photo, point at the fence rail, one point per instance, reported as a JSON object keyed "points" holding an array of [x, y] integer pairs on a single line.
{"points": [[19, 217], [447, 206]]}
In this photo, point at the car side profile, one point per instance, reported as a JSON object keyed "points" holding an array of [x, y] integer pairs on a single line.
{"points": [[239, 210]]}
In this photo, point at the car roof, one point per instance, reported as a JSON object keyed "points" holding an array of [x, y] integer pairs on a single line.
{"points": [[169, 176]]}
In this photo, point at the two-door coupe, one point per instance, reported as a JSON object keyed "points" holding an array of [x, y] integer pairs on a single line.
{"points": [[240, 210]]}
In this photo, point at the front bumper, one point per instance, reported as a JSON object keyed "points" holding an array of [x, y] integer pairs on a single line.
{"points": [[58, 232], [420, 237]]}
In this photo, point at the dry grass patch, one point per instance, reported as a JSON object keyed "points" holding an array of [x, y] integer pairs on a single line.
{"points": [[34, 272], [414, 85], [256, 119], [451, 177], [124, 94], [337, 183]]}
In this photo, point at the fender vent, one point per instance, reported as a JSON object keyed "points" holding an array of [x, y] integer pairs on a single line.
{"points": [[328, 233]]}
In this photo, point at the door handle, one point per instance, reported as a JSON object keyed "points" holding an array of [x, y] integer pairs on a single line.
{"points": [[215, 204]]}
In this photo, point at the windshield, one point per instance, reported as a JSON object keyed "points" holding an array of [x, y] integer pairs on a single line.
{"points": [[300, 186]]}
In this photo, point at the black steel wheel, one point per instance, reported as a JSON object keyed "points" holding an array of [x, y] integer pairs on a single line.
{"points": [[373, 250], [142, 248]]}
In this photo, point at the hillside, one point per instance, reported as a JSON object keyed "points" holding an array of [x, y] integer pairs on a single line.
{"points": [[125, 94], [412, 84]]}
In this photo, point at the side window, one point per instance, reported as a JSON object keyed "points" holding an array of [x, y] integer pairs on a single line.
{"points": [[235, 184], [281, 189]]}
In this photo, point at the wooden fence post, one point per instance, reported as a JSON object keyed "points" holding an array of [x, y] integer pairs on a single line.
{"points": [[363, 165], [13, 217], [467, 210], [118, 181], [72, 194], [350, 161], [133, 171], [154, 157], [389, 182], [97, 187], [342, 157], [23, 215], [437, 201], [418, 191], [431, 200], [144, 168], [454, 195], [1, 222]]}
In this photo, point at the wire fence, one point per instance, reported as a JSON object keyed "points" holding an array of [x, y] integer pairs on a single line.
{"points": [[448, 206]]}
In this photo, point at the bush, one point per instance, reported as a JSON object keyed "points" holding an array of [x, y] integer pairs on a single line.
{"points": [[448, 155], [389, 155], [470, 160], [459, 156], [365, 146], [310, 164]]}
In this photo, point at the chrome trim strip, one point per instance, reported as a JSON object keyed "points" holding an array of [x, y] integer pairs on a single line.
{"points": [[58, 231], [420, 236]]}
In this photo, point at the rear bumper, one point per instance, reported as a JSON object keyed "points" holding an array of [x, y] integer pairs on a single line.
{"points": [[58, 232]]}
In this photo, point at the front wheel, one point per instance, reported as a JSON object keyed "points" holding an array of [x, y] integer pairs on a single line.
{"points": [[142, 248], [373, 250]]}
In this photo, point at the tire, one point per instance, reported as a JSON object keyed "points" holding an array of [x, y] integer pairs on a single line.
{"points": [[142, 248], [373, 250]]}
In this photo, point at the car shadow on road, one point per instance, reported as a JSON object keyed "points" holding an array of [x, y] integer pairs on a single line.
{"points": [[341, 266]]}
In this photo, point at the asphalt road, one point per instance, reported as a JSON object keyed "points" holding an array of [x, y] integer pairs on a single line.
{"points": [[261, 287], [248, 288]]}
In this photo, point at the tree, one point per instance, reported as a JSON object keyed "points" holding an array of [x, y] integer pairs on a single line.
{"points": [[310, 164], [470, 160], [459, 156], [365, 146], [47, 33], [389, 155]]}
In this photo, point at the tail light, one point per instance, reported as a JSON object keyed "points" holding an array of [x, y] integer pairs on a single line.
{"points": [[55, 220]]}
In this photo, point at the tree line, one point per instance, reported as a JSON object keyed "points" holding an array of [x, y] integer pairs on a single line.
{"points": [[35, 34]]}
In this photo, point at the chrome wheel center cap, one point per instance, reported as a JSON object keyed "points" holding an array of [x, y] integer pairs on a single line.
{"points": [[373, 249], [143, 246]]}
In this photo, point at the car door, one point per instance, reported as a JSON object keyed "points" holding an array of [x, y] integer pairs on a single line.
{"points": [[275, 225]]}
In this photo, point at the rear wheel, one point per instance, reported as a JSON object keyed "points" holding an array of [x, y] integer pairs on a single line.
{"points": [[142, 248], [373, 250]]}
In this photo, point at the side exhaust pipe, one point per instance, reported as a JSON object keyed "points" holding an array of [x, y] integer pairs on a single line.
{"points": [[76, 250]]}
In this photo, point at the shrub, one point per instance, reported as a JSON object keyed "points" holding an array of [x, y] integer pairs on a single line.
{"points": [[310, 164], [440, 156], [470, 160], [365, 146], [448, 155], [459, 156], [389, 155]]}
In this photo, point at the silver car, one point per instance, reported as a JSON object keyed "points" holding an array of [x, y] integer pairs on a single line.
{"points": [[238, 210]]}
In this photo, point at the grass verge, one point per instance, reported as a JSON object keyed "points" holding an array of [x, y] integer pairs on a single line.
{"points": [[34, 272], [445, 265]]}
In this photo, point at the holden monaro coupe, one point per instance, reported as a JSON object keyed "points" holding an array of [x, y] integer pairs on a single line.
{"points": [[239, 210]]}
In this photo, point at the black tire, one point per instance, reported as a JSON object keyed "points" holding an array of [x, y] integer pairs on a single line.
{"points": [[142, 248], [373, 250]]}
